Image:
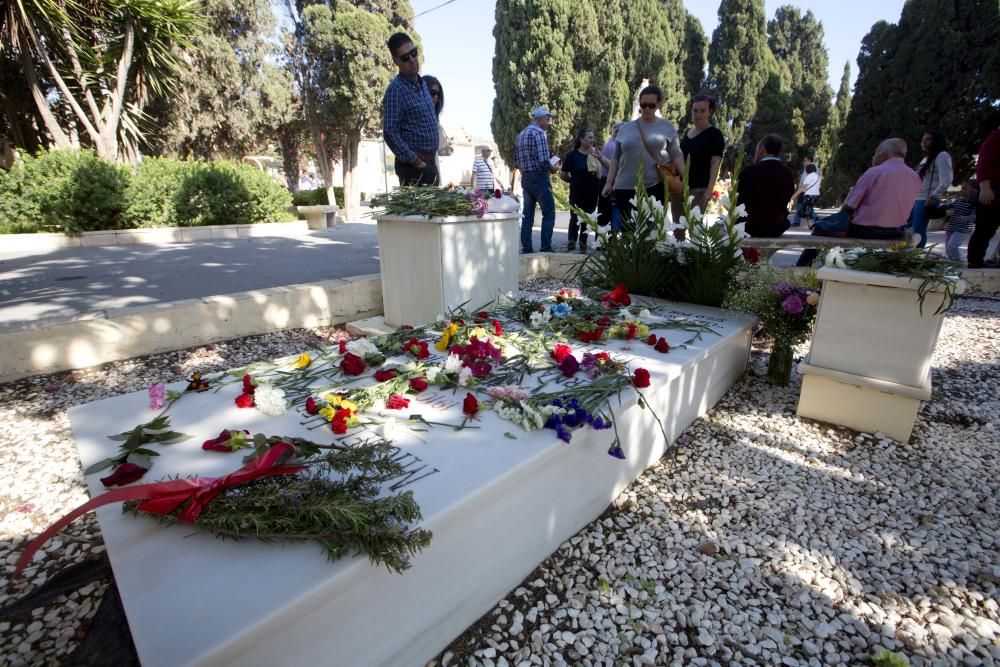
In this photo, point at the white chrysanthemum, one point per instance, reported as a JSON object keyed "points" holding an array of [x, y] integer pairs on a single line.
{"points": [[362, 347], [270, 400], [644, 313], [453, 364], [464, 376], [432, 373], [625, 313], [540, 319], [411, 367]]}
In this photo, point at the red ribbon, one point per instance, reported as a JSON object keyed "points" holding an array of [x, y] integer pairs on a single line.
{"points": [[165, 497]]}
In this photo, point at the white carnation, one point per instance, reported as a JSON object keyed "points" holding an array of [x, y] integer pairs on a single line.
{"points": [[432, 373], [644, 313], [464, 376], [453, 364], [270, 400]]}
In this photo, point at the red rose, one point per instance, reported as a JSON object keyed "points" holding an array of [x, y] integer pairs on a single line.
{"points": [[497, 193], [418, 384], [560, 352], [339, 425], [651, 339], [220, 444], [244, 401], [311, 407], [397, 402], [497, 328], [640, 378], [352, 364], [342, 347], [126, 473], [662, 345], [470, 405], [383, 375], [248, 386]]}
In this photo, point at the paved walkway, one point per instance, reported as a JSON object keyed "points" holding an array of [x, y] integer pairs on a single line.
{"points": [[76, 281]]}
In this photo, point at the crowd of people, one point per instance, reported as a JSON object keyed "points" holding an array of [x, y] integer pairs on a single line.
{"points": [[890, 199]]}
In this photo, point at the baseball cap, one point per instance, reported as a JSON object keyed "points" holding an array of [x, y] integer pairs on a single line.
{"points": [[540, 112]]}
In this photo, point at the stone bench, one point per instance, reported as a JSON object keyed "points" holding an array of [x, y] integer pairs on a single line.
{"points": [[768, 246], [318, 217]]}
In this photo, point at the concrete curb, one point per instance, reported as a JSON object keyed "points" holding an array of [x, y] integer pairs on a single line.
{"points": [[49, 242]]}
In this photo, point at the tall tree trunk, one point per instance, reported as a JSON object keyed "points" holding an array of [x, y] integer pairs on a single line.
{"points": [[352, 197], [289, 158]]}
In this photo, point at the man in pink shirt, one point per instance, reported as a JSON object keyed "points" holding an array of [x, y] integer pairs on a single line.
{"points": [[882, 198]]}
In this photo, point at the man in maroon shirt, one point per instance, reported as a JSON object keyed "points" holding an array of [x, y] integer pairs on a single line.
{"points": [[988, 209], [765, 188]]}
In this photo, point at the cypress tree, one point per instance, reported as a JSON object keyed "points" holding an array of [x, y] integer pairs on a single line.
{"points": [[607, 96], [694, 53], [651, 45], [738, 65]]}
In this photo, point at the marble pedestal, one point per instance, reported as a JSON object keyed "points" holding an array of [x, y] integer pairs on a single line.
{"points": [[432, 265], [497, 506]]}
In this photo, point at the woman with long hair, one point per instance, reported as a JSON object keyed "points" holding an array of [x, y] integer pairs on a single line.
{"points": [[437, 96], [582, 168], [703, 146], [935, 173]]}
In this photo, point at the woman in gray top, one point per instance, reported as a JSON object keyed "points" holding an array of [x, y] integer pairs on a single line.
{"points": [[661, 145]]}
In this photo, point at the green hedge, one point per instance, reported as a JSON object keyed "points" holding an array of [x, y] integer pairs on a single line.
{"points": [[317, 197], [75, 191]]}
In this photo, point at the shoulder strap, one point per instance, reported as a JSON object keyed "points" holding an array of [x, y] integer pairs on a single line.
{"points": [[642, 135]]}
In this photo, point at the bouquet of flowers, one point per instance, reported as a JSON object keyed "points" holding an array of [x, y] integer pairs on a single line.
{"points": [[785, 308]]}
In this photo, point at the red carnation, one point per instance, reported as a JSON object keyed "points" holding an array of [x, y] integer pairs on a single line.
{"points": [[630, 333], [244, 401], [640, 378], [602, 356], [352, 364], [470, 405], [383, 375], [248, 385], [560, 352], [311, 406], [481, 317], [651, 339], [342, 347], [662, 345], [569, 366], [339, 425], [418, 384], [417, 348], [397, 402], [497, 328], [126, 473]]}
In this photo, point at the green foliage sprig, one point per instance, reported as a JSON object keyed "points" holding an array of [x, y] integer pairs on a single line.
{"points": [[132, 450], [336, 502], [430, 202]]}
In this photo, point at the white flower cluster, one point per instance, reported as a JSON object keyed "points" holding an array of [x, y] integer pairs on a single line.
{"points": [[452, 365], [540, 319], [270, 400], [362, 347], [838, 258], [530, 418]]}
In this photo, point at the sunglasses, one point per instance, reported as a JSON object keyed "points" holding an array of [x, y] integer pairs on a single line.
{"points": [[405, 57], [648, 105]]}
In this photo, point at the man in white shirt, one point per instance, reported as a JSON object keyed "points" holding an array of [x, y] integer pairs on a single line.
{"points": [[809, 183]]}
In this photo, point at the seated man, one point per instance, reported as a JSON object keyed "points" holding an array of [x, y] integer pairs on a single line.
{"points": [[765, 189], [880, 202]]}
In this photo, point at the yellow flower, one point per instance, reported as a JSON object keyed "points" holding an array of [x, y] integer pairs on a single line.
{"points": [[442, 344], [328, 412], [348, 405], [303, 361]]}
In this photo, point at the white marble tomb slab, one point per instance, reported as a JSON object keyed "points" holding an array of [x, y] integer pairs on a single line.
{"points": [[497, 508]]}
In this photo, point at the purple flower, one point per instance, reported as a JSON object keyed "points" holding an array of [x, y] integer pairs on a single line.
{"points": [[783, 288], [793, 304], [563, 433], [157, 395], [569, 366], [599, 424], [617, 452]]}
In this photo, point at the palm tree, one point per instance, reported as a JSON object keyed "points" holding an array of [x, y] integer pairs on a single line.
{"points": [[103, 58]]}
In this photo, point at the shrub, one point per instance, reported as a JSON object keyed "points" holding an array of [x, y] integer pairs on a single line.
{"points": [[317, 197], [151, 200], [63, 190], [229, 193]]}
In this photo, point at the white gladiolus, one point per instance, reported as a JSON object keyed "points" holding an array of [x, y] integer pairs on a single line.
{"points": [[724, 200], [741, 210], [270, 400]]}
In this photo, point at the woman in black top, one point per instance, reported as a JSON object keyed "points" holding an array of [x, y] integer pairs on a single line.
{"points": [[703, 146], [582, 168]]}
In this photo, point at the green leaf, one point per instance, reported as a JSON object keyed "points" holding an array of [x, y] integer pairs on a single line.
{"points": [[141, 460], [172, 437], [100, 465], [121, 437], [155, 431], [510, 435]]}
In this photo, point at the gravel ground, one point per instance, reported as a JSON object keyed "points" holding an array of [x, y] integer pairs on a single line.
{"points": [[766, 540]]}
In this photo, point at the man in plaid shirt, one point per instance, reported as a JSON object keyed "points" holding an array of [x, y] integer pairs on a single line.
{"points": [[532, 158], [409, 124]]}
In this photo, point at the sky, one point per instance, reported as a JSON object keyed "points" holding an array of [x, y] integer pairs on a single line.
{"points": [[458, 46]]}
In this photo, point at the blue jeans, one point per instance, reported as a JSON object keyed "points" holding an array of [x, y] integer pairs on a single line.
{"points": [[919, 221], [537, 187]]}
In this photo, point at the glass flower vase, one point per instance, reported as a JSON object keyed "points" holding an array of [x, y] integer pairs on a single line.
{"points": [[779, 365]]}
